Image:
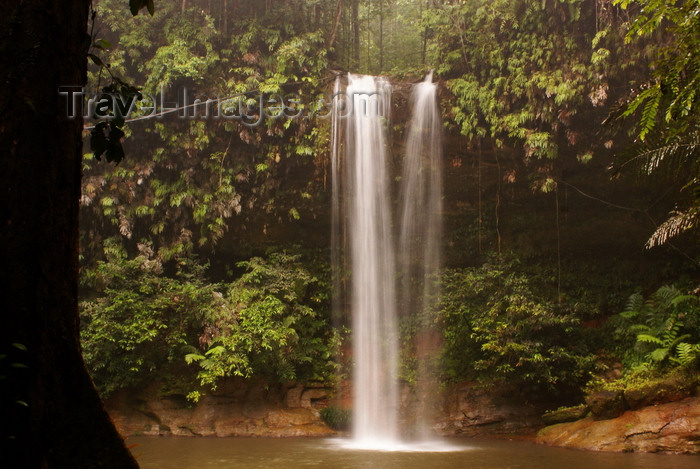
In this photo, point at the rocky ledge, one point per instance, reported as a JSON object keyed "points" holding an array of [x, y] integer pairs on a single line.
{"points": [[671, 428], [238, 408], [469, 410]]}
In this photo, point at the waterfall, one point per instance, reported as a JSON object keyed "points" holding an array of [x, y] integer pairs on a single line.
{"points": [[362, 211], [373, 297], [419, 238]]}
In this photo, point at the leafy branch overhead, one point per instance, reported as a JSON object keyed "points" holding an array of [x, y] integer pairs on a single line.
{"points": [[665, 108], [113, 104], [137, 5], [670, 97]]}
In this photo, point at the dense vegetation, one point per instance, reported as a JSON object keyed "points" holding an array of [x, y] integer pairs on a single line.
{"points": [[204, 250]]}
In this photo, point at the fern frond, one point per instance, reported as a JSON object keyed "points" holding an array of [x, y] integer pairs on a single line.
{"points": [[676, 224], [682, 299], [635, 304], [664, 296], [650, 339], [678, 340], [651, 109], [659, 355], [687, 353], [673, 154], [640, 329]]}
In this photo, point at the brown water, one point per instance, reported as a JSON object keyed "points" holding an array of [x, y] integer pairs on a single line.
{"points": [[293, 453]]}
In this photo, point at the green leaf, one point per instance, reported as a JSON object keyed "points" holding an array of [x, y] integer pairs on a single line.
{"points": [[103, 44], [659, 354], [216, 351], [97, 61], [650, 339], [193, 357]]}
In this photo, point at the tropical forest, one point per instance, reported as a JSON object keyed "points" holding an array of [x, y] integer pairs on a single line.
{"points": [[350, 234]]}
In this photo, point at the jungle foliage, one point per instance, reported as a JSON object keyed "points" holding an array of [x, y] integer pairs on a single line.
{"points": [[497, 329], [661, 331], [657, 338], [533, 74], [665, 108], [143, 321], [180, 283], [274, 327]]}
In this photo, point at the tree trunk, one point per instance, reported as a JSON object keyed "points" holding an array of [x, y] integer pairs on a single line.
{"points": [[356, 33], [52, 415], [381, 36], [336, 22]]}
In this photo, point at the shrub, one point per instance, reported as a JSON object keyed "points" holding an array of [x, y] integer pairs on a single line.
{"points": [[337, 418], [497, 329], [661, 331], [273, 326], [136, 321]]}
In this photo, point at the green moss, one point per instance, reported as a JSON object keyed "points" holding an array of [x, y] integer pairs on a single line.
{"points": [[644, 386]]}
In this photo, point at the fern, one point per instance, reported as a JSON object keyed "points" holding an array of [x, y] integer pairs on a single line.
{"points": [[678, 222], [651, 109], [635, 304], [659, 355], [687, 353], [665, 295], [660, 331], [650, 339]]}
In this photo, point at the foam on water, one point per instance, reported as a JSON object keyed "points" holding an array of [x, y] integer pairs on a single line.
{"points": [[408, 446]]}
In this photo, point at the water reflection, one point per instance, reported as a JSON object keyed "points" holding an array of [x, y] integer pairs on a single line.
{"points": [[293, 453]]}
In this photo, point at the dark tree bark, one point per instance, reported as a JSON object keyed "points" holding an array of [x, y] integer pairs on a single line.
{"points": [[43, 46]]}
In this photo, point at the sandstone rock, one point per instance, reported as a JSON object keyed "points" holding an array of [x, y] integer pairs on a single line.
{"points": [[293, 396], [470, 410], [673, 427], [310, 398], [606, 404], [238, 408]]}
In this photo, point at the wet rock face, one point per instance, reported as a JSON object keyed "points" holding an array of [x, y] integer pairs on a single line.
{"points": [[238, 408], [673, 428], [470, 410]]}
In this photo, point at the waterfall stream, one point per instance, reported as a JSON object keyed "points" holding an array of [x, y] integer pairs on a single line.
{"points": [[377, 255]]}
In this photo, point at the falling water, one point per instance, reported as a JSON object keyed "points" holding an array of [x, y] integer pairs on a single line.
{"points": [[419, 238], [362, 202], [373, 297]]}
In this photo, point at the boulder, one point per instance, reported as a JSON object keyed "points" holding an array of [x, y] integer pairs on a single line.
{"points": [[670, 428], [606, 404], [671, 389], [568, 414]]}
